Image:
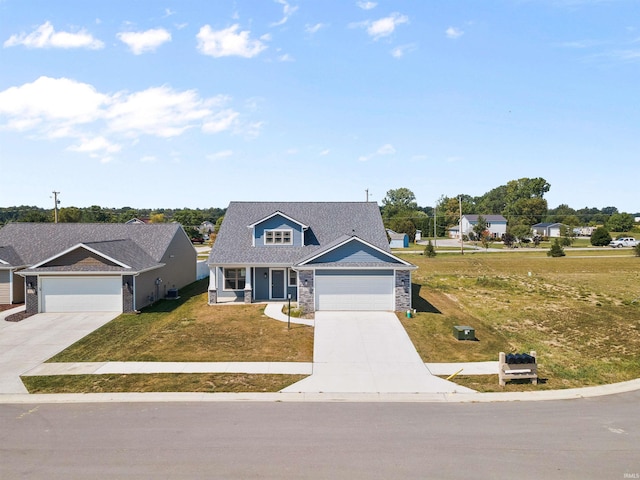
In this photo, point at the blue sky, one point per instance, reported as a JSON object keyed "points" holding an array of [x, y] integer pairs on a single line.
{"points": [[196, 103]]}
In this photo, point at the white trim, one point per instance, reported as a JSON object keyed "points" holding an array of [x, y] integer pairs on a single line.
{"points": [[350, 239], [81, 245], [278, 212], [273, 232], [285, 282]]}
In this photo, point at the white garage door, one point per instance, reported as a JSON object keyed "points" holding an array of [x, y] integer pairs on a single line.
{"points": [[81, 294], [355, 290]]}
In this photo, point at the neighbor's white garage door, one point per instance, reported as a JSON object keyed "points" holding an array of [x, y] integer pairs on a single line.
{"points": [[354, 290], [81, 294]]}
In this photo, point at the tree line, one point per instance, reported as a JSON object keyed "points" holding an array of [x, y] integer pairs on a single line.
{"points": [[520, 201], [188, 217]]}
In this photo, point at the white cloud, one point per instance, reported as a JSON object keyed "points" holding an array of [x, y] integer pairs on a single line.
{"points": [[98, 123], [147, 41], [453, 32], [386, 149], [366, 5], [158, 111], [221, 121], [227, 42], [384, 26], [286, 58], [220, 155], [314, 28], [95, 144], [400, 51], [52, 100], [46, 37], [324, 152], [288, 10]]}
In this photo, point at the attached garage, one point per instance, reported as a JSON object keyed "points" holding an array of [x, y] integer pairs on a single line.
{"points": [[355, 290], [81, 294]]}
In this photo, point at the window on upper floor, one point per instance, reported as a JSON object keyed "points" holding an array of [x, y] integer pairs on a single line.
{"points": [[278, 237]]}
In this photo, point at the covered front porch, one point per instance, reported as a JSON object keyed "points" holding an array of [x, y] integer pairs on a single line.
{"points": [[248, 284]]}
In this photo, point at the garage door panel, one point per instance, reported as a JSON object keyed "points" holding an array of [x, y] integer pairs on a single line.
{"points": [[341, 291], [74, 294]]}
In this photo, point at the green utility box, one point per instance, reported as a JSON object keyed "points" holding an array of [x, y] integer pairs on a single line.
{"points": [[462, 332]]}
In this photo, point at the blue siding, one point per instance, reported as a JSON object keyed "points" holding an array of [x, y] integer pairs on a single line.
{"points": [[354, 252], [278, 222]]}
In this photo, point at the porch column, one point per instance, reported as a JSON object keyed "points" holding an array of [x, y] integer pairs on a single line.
{"points": [[248, 290], [213, 285]]}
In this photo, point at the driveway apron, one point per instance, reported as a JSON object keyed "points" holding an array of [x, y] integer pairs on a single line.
{"points": [[26, 344], [367, 352]]}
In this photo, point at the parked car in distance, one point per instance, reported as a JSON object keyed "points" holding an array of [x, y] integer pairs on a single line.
{"points": [[623, 242]]}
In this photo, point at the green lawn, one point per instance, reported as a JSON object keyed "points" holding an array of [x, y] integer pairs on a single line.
{"points": [[581, 313]]}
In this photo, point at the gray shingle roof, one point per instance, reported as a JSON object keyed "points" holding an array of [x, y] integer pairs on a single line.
{"points": [[327, 221], [139, 246]]}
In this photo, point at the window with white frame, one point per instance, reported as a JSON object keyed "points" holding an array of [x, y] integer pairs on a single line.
{"points": [[278, 237], [293, 278], [234, 278]]}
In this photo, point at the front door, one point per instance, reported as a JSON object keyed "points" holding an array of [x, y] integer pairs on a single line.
{"points": [[277, 284]]}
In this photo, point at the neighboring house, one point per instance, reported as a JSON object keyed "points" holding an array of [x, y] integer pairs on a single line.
{"points": [[137, 221], [206, 227], [398, 240], [496, 225], [325, 255], [74, 267], [547, 229]]}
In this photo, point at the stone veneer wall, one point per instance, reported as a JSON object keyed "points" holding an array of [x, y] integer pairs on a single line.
{"points": [[127, 293], [213, 297], [305, 293], [247, 295], [403, 292], [31, 299]]}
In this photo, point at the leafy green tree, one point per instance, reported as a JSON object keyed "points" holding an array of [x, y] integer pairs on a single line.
{"points": [[620, 222], [520, 231], [70, 215], [480, 228], [556, 250], [403, 225], [600, 237], [492, 202], [429, 250], [399, 200], [508, 240], [636, 250], [157, 218]]}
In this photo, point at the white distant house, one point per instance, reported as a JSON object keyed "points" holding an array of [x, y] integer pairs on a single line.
{"points": [[548, 229], [496, 225]]}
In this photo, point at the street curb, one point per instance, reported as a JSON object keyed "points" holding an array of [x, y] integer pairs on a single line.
{"points": [[188, 397]]}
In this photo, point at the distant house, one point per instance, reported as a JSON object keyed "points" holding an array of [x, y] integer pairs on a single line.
{"points": [[325, 255], [398, 240], [496, 225], [137, 221], [548, 229], [206, 227], [85, 267]]}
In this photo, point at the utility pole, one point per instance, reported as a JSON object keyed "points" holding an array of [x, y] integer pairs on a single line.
{"points": [[55, 206], [435, 222], [460, 227]]}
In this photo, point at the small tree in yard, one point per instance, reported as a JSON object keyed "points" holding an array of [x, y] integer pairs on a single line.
{"points": [[556, 250], [636, 250], [429, 251], [600, 237]]}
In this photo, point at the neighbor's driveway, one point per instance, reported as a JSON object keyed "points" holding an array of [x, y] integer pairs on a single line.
{"points": [[26, 344], [367, 352]]}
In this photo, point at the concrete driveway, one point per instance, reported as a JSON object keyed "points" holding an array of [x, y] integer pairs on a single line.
{"points": [[367, 352], [26, 344]]}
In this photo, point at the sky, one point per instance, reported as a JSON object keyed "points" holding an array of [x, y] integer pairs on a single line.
{"points": [[173, 103]]}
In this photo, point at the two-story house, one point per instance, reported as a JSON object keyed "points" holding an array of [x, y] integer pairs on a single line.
{"points": [[324, 255]]}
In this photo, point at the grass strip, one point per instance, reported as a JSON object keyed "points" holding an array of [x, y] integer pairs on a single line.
{"points": [[162, 382]]}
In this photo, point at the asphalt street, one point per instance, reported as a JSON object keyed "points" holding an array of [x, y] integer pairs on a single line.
{"points": [[589, 438]]}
